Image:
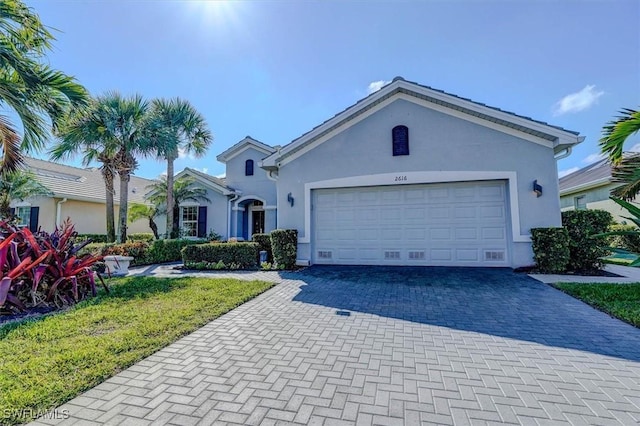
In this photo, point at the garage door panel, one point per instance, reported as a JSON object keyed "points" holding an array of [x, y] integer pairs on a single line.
{"points": [[430, 224]]}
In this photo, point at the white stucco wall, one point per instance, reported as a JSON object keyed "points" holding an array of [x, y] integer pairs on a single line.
{"points": [[438, 143]]}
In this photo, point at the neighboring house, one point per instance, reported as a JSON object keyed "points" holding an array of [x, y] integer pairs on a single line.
{"points": [[590, 188], [407, 176], [79, 194]]}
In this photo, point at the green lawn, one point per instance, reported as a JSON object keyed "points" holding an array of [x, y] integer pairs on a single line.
{"points": [[619, 300], [46, 362]]}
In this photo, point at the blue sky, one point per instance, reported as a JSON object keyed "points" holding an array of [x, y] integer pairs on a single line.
{"points": [[276, 69]]}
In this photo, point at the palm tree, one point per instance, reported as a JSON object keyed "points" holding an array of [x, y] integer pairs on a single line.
{"points": [[29, 87], [139, 211], [626, 168], [182, 129], [183, 190], [19, 185], [112, 130]]}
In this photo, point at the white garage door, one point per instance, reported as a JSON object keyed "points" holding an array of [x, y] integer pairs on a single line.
{"points": [[462, 224]]}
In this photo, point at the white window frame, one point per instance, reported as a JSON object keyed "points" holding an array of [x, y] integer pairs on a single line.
{"points": [[183, 222], [22, 224], [577, 202]]}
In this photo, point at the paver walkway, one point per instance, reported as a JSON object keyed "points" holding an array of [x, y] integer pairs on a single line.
{"points": [[382, 346]]}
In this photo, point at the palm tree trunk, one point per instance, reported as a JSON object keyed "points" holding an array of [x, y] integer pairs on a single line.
{"points": [[154, 228], [5, 210], [172, 229], [124, 199], [107, 175]]}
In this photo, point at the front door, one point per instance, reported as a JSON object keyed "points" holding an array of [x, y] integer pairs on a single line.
{"points": [[257, 222]]}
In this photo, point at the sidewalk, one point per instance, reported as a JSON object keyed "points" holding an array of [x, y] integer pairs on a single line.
{"points": [[627, 275]]}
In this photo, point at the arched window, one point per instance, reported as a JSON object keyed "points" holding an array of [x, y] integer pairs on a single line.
{"points": [[248, 168], [400, 136]]}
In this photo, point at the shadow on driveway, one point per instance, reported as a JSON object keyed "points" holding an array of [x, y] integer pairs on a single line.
{"points": [[494, 301]]}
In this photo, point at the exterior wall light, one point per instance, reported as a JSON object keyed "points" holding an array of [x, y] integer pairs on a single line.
{"points": [[290, 199], [537, 188]]}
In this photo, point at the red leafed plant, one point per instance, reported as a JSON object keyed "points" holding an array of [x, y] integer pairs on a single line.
{"points": [[43, 270]]}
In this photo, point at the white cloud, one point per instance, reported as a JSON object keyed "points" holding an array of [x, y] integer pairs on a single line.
{"points": [[593, 158], [163, 173], [374, 86], [579, 101], [221, 176], [203, 170], [563, 173]]}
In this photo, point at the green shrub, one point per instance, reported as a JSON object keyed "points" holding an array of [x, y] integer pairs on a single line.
{"points": [[629, 242], [221, 255], [95, 238], [264, 244], [585, 252], [162, 251], [144, 253], [550, 249], [141, 236], [284, 245], [137, 249]]}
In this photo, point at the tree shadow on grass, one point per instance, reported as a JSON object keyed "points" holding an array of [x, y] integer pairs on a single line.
{"points": [[493, 301]]}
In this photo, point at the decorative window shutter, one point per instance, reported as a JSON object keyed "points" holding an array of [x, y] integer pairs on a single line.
{"points": [[202, 221], [33, 218]]}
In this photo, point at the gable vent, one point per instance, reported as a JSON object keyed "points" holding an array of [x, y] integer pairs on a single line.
{"points": [[416, 255], [392, 255], [324, 255], [494, 256]]}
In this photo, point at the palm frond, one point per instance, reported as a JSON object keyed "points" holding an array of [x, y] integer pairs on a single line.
{"points": [[616, 132], [627, 172]]}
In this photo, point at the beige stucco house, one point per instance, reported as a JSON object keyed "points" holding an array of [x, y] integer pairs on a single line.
{"points": [[78, 194]]}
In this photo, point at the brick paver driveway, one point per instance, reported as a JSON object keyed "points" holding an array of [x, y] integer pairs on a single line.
{"points": [[387, 346]]}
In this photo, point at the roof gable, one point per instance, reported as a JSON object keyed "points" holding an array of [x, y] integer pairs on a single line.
{"points": [[205, 179], [243, 145], [524, 127]]}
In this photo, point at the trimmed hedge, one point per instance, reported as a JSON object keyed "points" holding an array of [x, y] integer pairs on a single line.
{"points": [[284, 245], [585, 252], [221, 256], [550, 249], [141, 236], [630, 242], [159, 251], [264, 244], [95, 238], [162, 251]]}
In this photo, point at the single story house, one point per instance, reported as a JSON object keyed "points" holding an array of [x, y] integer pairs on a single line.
{"points": [[590, 188], [79, 194], [409, 175]]}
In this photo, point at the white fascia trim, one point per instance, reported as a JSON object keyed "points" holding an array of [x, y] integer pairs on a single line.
{"points": [[221, 189], [426, 104], [563, 137], [586, 186], [389, 179], [501, 115], [234, 154]]}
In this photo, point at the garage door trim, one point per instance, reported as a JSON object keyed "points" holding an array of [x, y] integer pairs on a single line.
{"points": [[411, 178]]}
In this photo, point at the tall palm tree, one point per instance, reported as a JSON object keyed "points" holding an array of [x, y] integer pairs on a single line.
{"points": [[28, 86], [19, 185], [181, 129], [113, 130], [626, 168], [183, 190]]}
